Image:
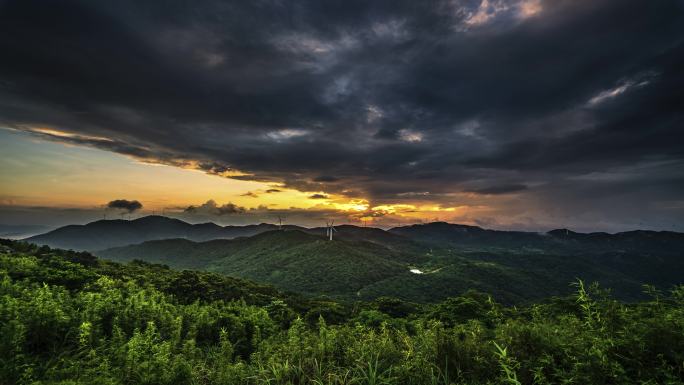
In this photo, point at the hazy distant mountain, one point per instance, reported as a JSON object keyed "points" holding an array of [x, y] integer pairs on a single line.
{"points": [[104, 234], [20, 231], [561, 241]]}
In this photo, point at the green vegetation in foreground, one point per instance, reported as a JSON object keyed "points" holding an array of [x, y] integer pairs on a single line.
{"points": [[69, 318]]}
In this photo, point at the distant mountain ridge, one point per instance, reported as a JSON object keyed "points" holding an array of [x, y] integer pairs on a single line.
{"points": [[104, 234], [559, 241]]}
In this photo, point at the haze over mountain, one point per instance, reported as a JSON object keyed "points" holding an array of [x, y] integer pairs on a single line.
{"points": [[21, 231]]}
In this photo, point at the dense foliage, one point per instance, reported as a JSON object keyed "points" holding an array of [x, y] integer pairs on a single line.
{"points": [[69, 318], [367, 263]]}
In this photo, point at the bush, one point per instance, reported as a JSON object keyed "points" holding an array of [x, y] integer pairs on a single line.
{"points": [[70, 321]]}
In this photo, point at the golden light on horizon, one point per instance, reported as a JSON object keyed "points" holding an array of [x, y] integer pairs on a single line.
{"points": [[41, 169], [353, 205]]}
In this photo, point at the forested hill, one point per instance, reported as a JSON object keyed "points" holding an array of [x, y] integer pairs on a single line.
{"points": [[76, 270], [105, 234], [290, 259], [366, 264], [69, 318], [420, 263]]}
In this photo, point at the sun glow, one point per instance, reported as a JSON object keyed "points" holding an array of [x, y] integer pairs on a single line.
{"points": [[353, 205], [42, 167], [51, 132]]}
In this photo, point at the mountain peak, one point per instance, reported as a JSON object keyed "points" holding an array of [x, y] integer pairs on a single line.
{"points": [[562, 233], [104, 234]]}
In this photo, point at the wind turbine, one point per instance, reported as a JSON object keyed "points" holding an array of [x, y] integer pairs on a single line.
{"points": [[280, 222], [330, 229]]}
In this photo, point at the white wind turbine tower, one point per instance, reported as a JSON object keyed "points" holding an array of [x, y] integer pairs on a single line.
{"points": [[330, 229], [280, 222]]}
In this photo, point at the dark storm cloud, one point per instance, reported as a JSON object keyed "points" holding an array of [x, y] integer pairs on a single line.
{"points": [[311, 217], [318, 196], [210, 207], [124, 204], [500, 189], [325, 178], [385, 100]]}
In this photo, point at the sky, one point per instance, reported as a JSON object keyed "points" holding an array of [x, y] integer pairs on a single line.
{"points": [[520, 114]]}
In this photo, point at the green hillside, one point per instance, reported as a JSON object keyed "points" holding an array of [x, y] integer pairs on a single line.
{"points": [[507, 281], [69, 318], [310, 264], [364, 263], [291, 260]]}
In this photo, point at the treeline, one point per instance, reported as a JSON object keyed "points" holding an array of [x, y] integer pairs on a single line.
{"points": [[69, 318]]}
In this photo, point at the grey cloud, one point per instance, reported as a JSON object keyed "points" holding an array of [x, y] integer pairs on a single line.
{"points": [[499, 189], [325, 178], [319, 96], [124, 204], [318, 196], [210, 207]]}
